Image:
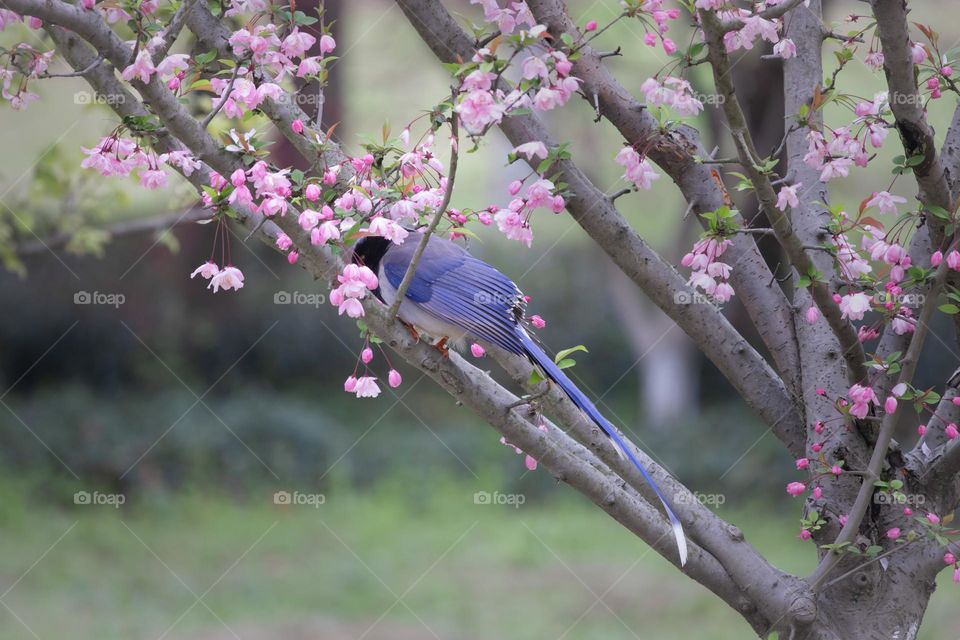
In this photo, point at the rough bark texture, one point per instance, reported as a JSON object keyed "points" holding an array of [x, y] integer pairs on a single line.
{"points": [[847, 597]]}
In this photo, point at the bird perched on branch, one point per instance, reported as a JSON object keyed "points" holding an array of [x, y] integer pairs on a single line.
{"points": [[453, 295]]}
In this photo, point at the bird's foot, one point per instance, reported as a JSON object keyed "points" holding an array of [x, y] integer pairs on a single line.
{"points": [[441, 346], [411, 330]]}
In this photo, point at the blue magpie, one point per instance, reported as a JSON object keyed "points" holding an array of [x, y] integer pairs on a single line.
{"points": [[453, 295]]}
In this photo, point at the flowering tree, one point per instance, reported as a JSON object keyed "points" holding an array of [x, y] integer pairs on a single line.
{"points": [[844, 333]]}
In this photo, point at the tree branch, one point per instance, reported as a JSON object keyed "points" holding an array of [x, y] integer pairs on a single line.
{"points": [[727, 349], [677, 152], [437, 216], [852, 350]]}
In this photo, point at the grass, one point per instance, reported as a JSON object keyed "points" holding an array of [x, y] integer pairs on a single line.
{"points": [[261, 570]]}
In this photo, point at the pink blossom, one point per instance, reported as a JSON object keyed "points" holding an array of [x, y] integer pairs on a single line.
{"points": [[812, 315], [389, 229], [207, 270], [327, 43], [885, 201], [953, 260], [933, 518], [366, 355], [956, 575], [951, 431], [142, 68], [591, 26], [817, 492], [531, 150], [530, 463], [890, 404], [312, 192], [367, 387], [672, 92], [936, 258], [637, 170], [394, 379], [802, 463], [785, 49], [917, 53], [804, 533], [479, 109], [350, 384], [477, 350], [874, 60], [297, 126], [796, 488], [949, 558], [153, 178], [836, 470], [861, 397], [921, 430], [853, 306], [228, 278], [893, 533], [283, 241], [292, 257], [788, 196], [538, 322]]}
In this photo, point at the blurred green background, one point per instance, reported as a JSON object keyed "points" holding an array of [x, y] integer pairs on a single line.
{"points": [[199, 408]]}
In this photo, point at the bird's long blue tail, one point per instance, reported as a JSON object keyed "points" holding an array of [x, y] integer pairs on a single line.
{"points": [[576, 396]]}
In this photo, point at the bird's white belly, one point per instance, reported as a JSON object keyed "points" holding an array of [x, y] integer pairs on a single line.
{"points": [[412, 313]]}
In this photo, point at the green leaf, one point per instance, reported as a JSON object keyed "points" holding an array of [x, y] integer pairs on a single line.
{"points": [[535, 378], [566, 363], [563, 353], [949, 308]]}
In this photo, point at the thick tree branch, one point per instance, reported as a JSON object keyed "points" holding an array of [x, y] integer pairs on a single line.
{"points": [[678, 153], [865, 496], [852, 350], [567, 459], [727, 349]]}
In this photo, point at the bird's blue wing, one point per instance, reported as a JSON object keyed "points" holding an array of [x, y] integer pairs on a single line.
{"points": [[457, 288]]}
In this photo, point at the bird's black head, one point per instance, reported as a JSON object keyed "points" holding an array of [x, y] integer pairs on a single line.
{"points": [[369, 250]]}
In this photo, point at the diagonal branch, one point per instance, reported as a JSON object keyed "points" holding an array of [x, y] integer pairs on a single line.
{"points": [[852, 350], [679, 153], [567, 459], [740, 363]]}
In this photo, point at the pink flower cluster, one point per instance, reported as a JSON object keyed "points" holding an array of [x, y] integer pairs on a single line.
{"points": [[637, 170], [226, 278], [709, 274], [514, 220], [506, 19], [672, 92], [355, 281], [118, 156], [279, 57]]}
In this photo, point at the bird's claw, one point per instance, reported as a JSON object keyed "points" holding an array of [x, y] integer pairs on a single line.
{"points": [[411, 330], [441, 346]]}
